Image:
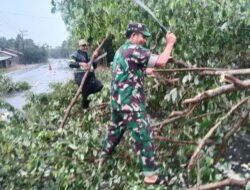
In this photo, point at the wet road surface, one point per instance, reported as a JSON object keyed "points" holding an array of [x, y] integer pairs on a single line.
{"points": [[39, 77]]}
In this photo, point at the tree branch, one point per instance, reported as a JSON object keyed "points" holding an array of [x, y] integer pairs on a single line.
{"points": [[221, 184], [229, 72], [160, 138], [217, 91], [190, 69], [166, 81], [166, 121], [173, 141], [185, 112], [230, 133], [203, 115], [211, 131], [178, 115], [181, 63], [207, 70], [237, 82]]}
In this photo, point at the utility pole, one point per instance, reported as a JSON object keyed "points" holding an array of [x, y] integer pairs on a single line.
{"points": [[23, 33]]}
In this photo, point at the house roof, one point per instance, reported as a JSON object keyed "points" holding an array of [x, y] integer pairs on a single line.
{"points": [[8, 53], [3, 58], [13, 51]]}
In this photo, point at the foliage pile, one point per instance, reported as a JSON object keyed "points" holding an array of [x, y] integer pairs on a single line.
{"points": [[8, 86], [36, 154]]}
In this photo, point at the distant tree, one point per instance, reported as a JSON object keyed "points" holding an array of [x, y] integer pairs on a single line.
{"points": [[35, 54], [62, 51], [3, 42], [19, 43], [11, 43], [31, 52], [29, 43]]}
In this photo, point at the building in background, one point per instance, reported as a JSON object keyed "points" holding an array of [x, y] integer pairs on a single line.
{"points": [[5, 61], [9, 57]]}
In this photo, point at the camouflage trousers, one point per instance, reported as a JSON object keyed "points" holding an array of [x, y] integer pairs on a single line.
{"points": [[138, 125]]}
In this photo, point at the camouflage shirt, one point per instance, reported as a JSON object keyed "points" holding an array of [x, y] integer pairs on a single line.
{"points": [[127, 91]]}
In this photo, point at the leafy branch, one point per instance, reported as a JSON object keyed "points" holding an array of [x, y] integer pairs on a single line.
{"points": [[212, 130]]}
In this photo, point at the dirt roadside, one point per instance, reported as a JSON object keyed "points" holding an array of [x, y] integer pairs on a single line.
{"points": [[16, 66]]}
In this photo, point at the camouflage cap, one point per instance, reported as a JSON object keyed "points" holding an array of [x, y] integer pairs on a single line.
{"points": [[139, 28], [82, 42]]}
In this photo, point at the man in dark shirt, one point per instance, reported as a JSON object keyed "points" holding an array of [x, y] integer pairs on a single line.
{"points": [[80, 60]]}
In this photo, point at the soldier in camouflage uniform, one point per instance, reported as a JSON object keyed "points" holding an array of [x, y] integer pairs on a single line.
{"points": [[128, 100]]}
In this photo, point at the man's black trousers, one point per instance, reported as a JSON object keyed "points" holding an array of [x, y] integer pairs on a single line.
{"points": [[91, 86]]}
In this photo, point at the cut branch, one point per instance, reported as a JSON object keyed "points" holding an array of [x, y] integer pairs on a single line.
{"points": [[189, 69], [160, 138], [178, 115], [229, 72], [212, 130], [79, 90], [185, 112], [237, 82], [166, 81], [220, 184], [166, 121], [203, 115], [217, 91], [208, 71]]}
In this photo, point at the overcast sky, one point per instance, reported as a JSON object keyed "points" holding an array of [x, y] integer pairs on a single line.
{"points": [[34, 17]]}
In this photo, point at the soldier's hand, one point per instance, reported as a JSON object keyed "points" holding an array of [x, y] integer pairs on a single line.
{"points": [[171, 38], [84, 65], [149, 71]]}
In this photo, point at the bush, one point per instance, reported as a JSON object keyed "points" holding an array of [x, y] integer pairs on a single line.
{"points": [[8, 86], [22, 85]]}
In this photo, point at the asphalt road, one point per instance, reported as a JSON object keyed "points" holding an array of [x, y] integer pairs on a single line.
{"points": [[39, 77]]}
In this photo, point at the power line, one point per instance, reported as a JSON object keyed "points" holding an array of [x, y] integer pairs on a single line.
{"points": [[22, 35], [6, 27], [10, 21], [6, 24], [5, 31], [30, 16]]}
